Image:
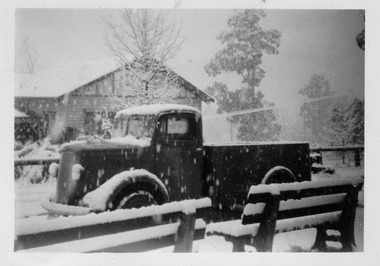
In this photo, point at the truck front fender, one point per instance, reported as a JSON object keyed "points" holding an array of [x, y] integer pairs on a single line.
{"points": [[101, 198]]}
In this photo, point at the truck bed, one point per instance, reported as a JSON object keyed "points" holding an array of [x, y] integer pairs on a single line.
{"points": [[232, 168]]}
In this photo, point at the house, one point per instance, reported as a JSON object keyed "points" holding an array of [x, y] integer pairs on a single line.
{"points": [[70, 98]]}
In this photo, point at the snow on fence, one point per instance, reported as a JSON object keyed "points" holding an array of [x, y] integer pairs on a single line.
{"points": [[132, 230], [275, 208], [32, 170]]}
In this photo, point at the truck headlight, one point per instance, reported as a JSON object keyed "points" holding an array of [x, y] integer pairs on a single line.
{"points": [[76, 171]]}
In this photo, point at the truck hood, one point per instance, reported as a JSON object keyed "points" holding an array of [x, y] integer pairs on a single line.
{"points": [[85, 165], [111, 144]]}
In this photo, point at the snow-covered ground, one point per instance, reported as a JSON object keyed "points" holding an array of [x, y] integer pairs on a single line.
{"points": [[27, 206]]}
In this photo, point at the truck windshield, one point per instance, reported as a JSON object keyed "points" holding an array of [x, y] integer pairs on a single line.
{"points": [[139, 126]]}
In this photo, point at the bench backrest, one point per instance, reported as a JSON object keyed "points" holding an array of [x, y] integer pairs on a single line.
{"points": [[300, 199]]}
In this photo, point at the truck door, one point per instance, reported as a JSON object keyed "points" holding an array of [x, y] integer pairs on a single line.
{"points": [[179, 154]]}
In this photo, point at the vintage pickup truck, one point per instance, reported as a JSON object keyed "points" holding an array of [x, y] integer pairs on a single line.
{"points": [[156, 154]]}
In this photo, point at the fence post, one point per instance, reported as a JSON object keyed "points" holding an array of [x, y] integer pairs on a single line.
{"points": [[357, 157], [320, 152], [45, 170], [185, 234]]}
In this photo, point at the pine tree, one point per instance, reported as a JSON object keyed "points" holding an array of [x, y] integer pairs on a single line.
{"points": [[347, 122], [244, 46], [316, 113], [355, 122]]}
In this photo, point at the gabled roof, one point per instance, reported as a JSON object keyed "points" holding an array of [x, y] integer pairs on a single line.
{"points": [[58, 81]]}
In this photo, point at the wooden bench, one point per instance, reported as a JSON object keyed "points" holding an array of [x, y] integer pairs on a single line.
{"points": [[135, 230], [276, 208]]}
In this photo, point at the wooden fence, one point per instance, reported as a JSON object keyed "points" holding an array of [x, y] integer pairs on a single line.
{"points": [[44, 162], [356, 149], [175, 224]]}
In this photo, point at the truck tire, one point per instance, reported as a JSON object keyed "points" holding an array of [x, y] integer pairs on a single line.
{"points": [[278, 174], [136, 196]]}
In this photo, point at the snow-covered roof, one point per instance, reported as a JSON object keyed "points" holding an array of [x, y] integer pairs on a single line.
{"points": [[63, 79], [19, 114], [59, 80], [155, 109], [195, 85]]}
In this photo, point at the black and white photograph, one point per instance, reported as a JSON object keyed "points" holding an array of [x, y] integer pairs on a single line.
{"points": [[178, 128]]}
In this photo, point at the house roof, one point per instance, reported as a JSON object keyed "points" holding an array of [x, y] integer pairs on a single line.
{"points": [[58, 81]]}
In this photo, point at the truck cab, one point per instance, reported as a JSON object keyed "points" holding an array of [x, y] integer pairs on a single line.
{"points": [[176, 143]]}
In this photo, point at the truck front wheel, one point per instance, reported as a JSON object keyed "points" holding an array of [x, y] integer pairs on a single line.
{"points": [[278, 174], [137, 196], [136, 199]]}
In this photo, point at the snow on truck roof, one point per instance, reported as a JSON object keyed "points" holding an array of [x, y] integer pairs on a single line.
{"points": [[155, 109]]}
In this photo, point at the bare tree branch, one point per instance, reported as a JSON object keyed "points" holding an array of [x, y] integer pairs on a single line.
{"points": [[29, 54], [143, 41]]}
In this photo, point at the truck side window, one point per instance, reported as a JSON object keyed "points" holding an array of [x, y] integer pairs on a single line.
{"points": [[119, 128], [141, 126], [177, 127]]}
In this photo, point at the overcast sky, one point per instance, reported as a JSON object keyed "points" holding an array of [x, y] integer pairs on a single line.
{"points": [[313, 41]]}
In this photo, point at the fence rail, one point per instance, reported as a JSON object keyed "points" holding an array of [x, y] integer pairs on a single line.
{"points": [[355, 149], [39, 161], [338, 148], [19, 163]]}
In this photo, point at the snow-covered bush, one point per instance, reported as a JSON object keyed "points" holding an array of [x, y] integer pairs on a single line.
{"points": [[18, 145], [40, 149]]}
